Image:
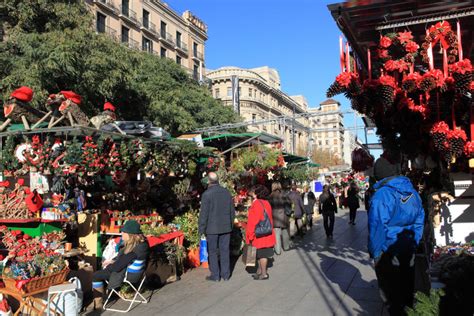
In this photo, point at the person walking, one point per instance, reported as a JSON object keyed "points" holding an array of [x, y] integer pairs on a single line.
{"points": [[281, 223], [298, 209], [308, 204], [264, 244], [353, 202], [396, 219], [216, 221], [328, 208]]}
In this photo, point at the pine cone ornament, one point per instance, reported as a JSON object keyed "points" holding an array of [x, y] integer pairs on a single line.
{"points": [[386, 96], [462, 81], [457, 139], [335, 89], [427, 84], [457, 146]]}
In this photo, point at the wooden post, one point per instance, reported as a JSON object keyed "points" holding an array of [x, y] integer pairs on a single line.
{"points": [[53, 123], [5, 124], [42, 119], [71, 120], [25, 122]]}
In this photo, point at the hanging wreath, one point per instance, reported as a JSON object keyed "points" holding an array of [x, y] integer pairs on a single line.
{"points": [[398, 51], [442, 32]]}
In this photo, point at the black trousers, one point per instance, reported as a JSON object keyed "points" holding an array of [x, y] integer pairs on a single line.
{"points": [[397, 281], [328, 219], [219, 257], [352, 214]]}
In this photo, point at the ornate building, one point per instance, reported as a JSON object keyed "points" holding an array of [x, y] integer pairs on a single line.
{"points": [[260, 98], [328, 127], [152, 26]]}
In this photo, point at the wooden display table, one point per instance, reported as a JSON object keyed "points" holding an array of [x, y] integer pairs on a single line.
{"points": [[28, 301]]}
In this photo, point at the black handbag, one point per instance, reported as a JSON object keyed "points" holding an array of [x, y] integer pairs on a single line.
{"points": [[264, 226]]}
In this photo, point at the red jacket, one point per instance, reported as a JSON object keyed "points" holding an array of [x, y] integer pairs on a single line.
{"points": [[255, 215]]}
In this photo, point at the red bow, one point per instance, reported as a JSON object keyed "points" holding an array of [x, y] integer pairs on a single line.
{"points": [[5, 184]]}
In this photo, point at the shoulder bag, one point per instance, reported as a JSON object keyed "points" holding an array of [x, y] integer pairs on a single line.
{"points": [[264, 226]]}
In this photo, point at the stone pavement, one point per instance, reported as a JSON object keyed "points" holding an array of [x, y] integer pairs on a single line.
{"points": [[316, 277]]}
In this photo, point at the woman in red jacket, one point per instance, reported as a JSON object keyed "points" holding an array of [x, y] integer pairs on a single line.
{"points": [[264, 244]]}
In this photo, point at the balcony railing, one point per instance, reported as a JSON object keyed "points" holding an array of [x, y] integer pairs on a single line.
{"points": [[133, 44], [107, 30], [129, 14], [198, 55], [182, 46], [149, 26], [107, 5], [166, 37]]}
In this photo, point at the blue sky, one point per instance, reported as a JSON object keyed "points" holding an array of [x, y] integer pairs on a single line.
{"points": [[299, 38]]}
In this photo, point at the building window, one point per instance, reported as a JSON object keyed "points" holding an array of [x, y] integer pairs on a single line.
{"points": [[163, 52], [196, 71], [255, 93], [327, 141], [125, 7], [100, 23], [146, 18], [320, 143], [335, 141], [195, 49], [254, 117], [163, 29], [250, 92], [217, 93], [147, 45], [229, 91], [178, 60], [124, 34], [178, 39]]}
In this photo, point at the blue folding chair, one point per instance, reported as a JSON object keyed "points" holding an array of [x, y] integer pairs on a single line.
{"points": [[135, 274]]}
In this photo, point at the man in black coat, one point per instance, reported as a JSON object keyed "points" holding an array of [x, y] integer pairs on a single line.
{"points": [[216, 221]]}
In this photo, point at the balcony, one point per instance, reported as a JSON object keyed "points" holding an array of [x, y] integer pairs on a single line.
{"points": [[148, 27], [181, 47], [132, 44], [166, 38], [102, 29], [129, 16], [107, 5], [198, 56]]}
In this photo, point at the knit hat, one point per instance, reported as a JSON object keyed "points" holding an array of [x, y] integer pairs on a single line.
{"points": [[23, 93], [131, 227], [109, 107], [384, 169], [71, 95]]}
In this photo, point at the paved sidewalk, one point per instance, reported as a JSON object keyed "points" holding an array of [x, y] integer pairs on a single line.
{"points": [[317, 277]]}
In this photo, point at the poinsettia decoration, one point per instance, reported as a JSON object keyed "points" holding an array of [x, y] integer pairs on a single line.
{"points": [[469, 149], [439, 132], [457, 139], [431, 80], [462, 75], [397, 51], [411, 82], [346, 82]]}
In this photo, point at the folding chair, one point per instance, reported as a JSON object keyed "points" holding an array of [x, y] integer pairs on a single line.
{"points": [[135, 274]]}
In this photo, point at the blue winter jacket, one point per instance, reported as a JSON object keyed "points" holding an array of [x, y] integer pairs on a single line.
{"points": [[396, 206]]}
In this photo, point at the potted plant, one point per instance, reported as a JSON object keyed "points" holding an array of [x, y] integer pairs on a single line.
{"points": [[188, 224]]}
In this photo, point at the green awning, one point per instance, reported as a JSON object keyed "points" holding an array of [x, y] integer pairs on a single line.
{"points": [[229, 140]]}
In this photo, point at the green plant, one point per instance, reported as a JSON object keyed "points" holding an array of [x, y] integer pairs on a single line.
{"points": [[188, 224], [175, 253], [426, 305], [154, 231]]}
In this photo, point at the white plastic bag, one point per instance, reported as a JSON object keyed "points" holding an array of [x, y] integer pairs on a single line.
{"points": [[64, 303], [110, 252]]}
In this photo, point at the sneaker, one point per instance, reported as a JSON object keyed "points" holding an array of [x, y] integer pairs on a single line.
{"points": [[209, 278]]}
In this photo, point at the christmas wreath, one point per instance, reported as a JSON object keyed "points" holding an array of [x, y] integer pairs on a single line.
{"points": [[397, 51], [441, 31]]}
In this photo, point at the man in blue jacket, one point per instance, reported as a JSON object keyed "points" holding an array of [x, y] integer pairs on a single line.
{"points": [[396, 220]]}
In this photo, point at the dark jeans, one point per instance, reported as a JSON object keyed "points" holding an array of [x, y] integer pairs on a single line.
{"points": [[328, 227], [218, 248], [397, 281], [352, 214]]}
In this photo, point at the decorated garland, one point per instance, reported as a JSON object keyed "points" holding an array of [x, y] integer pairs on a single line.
{"points": [[398, 51], [441, 31]]}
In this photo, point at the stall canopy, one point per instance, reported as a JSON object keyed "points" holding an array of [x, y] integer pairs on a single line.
{"points": [[228, 142], [363, 21]]}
